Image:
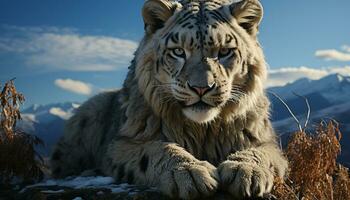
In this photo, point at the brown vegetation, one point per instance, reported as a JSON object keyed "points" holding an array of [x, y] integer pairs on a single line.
{"points": [[314, 173], [18, 158]]}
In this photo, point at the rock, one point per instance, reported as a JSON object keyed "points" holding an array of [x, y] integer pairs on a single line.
{"points": [[86, 188], [58, 192], [66, 193]]}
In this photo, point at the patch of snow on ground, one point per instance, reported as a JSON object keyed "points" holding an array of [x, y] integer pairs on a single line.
{"points": [[85, 182], [52, 191]]}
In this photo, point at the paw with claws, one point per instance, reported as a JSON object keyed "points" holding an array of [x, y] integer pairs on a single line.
{"points": [[190, 180], [244, 179]]}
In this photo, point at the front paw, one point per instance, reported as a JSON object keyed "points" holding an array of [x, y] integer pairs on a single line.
{"points": [[190, 180], [244, 179]]}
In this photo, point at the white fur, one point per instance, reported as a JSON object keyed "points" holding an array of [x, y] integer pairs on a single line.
{"points": [[201, 117]]}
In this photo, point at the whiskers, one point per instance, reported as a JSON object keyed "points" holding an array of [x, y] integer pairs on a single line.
{"points": [[166, 99], [165, 94], [166, 87], [236, 93]]}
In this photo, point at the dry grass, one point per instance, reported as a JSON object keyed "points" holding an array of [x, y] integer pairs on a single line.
{"points": [[314, 173], [18, 159]]}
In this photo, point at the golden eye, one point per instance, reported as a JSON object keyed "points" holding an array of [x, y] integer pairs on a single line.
{"points": [[179, 52], [225, 52]]}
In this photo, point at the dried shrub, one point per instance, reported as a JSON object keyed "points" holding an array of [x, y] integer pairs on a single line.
{"points": [[283, 191], [10, 101], [314, 173], [18, 159], [341, 183]]}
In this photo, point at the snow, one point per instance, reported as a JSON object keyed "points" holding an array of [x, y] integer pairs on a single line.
{"points": [[81, 182], [95, 182], [75, 105], [52, 191], [28, 122], [47, 113], [38, 116], [340, 77], [335, 88], [77, 198], [77, 182], [29, 117], [60, 113]]}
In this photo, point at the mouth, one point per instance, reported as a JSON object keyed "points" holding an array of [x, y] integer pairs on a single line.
{"points": [[199, 106], [201, 112]]}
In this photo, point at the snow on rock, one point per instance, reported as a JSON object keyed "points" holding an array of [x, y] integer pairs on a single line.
{"points": [[77, 182], [94, 182], [28, 122], [60, 113], [48, 113], [75, 105], [84, 188], [52, 191], [93, 187]]}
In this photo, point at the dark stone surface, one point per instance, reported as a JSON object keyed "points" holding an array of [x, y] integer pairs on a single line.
{"points": [[48, 193]]}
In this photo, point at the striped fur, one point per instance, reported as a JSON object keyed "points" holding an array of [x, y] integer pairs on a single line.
{"points": [[152, 132]]}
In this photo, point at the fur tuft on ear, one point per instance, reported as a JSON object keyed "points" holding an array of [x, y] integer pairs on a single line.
{"points": [[248, 14], [155, 13]]}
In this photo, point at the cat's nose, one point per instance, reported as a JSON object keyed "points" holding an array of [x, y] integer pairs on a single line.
{"points": [[201, 90]]}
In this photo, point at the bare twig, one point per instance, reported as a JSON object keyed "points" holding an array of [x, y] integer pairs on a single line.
{"points": [[289, 110], [308, 108], [281, 146]]}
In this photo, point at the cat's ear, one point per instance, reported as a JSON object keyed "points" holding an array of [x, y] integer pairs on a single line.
{"points": [[248, 14], [155, 13]]}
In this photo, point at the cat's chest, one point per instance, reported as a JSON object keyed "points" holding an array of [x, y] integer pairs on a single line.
{"points": [[216, 144]]}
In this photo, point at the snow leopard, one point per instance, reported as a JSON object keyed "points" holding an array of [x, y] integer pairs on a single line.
{"points": [[192, 116]]}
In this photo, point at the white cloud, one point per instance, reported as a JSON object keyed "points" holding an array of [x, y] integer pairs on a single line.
{"points": [[333, 54], [36, 29], [346, 48], [74, 86], [52, 48], [282, 76]]}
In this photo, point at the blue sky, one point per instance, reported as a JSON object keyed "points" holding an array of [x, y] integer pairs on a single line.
{"points": [[69, 50]]}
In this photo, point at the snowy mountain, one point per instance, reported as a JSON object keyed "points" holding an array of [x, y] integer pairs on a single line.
{"points": [[329, 98], [335, 88], [46, 122]]}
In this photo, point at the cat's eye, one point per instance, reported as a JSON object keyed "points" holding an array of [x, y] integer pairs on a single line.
{"points": [[178, 52], [225, 52]]}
